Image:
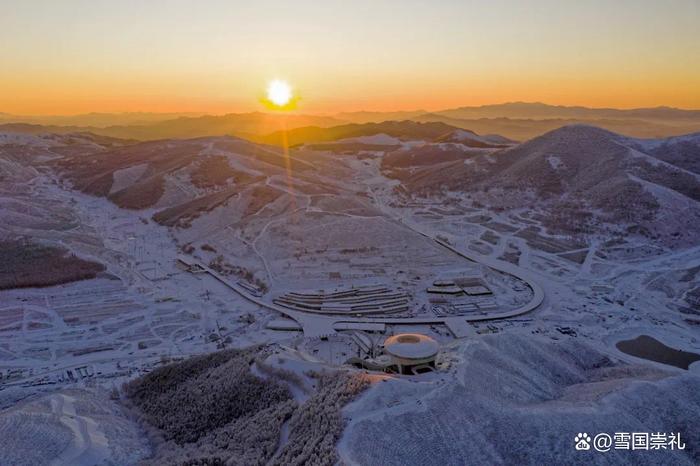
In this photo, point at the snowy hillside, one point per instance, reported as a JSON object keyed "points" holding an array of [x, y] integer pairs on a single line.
{"points": [[526, 265], [586, 178]]}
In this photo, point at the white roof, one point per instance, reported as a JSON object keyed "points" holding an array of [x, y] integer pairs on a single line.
{"points": [[411, 346]]}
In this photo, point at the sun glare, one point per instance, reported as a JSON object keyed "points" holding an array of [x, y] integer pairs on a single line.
{"points": [[279, 93]]}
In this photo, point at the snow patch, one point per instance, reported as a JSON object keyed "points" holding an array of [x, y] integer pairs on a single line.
{"points": [[127, 176], [554, 162], [380, 139]]}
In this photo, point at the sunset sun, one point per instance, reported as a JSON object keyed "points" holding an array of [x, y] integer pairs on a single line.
{"points": [[279, 92]]}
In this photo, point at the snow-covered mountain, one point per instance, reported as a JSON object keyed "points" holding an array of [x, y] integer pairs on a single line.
{"points": [[583, 176], [118, 256], [471, 139]]}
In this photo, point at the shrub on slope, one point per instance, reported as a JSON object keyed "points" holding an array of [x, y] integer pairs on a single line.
{"points": [[187, 400], [26, 264], [212, 410], [317, 424]]}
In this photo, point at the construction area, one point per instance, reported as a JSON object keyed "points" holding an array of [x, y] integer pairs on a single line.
{"points": [[356, 301]]}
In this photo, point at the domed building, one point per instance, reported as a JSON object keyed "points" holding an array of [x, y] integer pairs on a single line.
{"points": [[412, 353]]}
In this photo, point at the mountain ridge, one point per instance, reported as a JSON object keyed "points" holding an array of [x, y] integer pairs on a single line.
{"points": [[583, 179], [516, 120]]}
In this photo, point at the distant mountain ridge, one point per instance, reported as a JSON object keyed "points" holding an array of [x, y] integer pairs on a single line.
{"points": [[517, 121], [538, 110], [407, 130], [187, 127], [522, 120], [97, 119]]}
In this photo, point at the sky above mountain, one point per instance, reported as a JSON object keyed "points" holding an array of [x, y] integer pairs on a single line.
{"points": [[217, 56]]}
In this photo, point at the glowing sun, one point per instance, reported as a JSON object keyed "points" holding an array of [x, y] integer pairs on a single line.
{"points": [[279, 93]]}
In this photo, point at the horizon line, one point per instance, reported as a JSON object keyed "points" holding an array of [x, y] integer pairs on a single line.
{"points": [[196, 114]]}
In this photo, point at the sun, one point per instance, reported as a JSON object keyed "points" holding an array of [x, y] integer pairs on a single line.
{"points": [[279, 93]]}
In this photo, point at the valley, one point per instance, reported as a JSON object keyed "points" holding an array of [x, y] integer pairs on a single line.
{"points": [[526, 263]]}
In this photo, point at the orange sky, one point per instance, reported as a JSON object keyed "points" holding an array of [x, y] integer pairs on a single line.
{"points": [[180, 56]]}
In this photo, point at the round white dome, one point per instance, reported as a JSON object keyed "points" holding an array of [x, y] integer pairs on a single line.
{"points": [[411, 346]]}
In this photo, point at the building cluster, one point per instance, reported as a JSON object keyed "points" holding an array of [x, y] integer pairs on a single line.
{"points": [[361, 300], [460, 296], [471, 286]]}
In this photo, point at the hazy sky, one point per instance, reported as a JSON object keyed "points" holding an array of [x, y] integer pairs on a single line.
{"points": [[73, 56]]}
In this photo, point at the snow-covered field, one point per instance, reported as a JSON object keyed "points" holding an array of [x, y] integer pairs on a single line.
{"points": [[538, 367]]}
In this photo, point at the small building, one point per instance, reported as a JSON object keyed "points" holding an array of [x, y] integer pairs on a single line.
{"points": [[444, 287], [454, 290], [192, 267], [412, 353], [444, 283], [473, 286], [255, 290], [477, 290]]}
